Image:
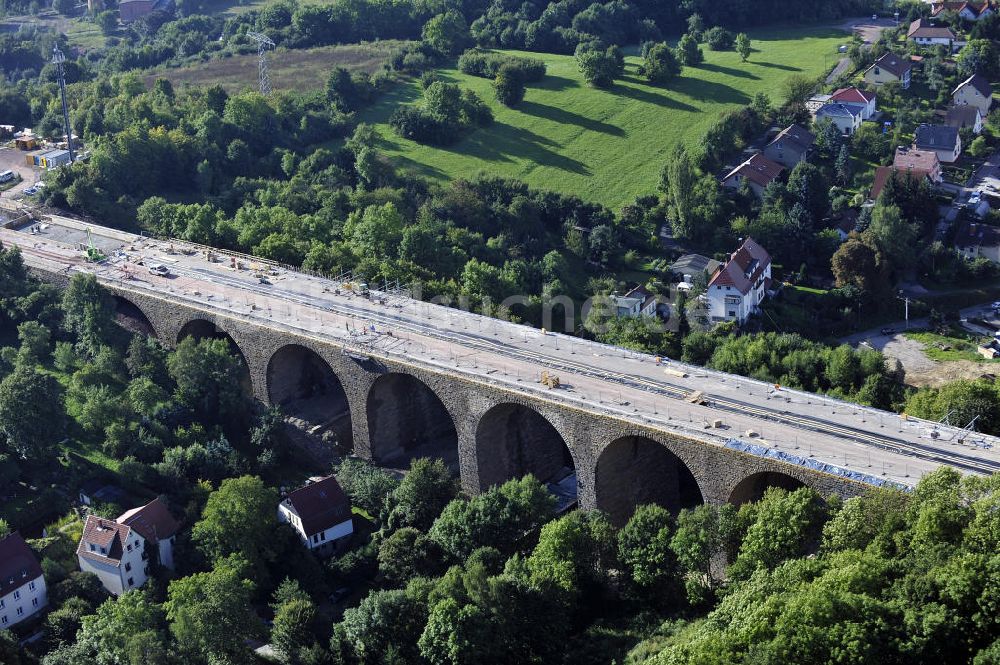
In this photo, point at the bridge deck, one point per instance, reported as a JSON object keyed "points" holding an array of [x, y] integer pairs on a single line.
{"points": [[630, 385]]}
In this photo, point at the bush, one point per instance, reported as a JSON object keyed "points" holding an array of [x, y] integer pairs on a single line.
{"points": [[508, 86], [719, 39], [446, 113], [487, 64]]}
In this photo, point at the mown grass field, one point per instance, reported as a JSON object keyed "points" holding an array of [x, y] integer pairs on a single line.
{"points": [[299, 69], [606, 145]]}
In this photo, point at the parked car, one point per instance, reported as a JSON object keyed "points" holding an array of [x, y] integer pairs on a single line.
{"points": [[159, 269], [31, 191], [996, 305], [888, 331]]}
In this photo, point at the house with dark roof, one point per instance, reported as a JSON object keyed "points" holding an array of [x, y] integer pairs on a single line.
{"points": [[846, 118], [758, 171], [739, 286], [791, 146], [157, 526], [924, 33], [320, 513], [940, 139], [689, 266], [965, 117], [974, 91], [918, 161], [22, 585], [115, 553], [890, 67], [636, 302], [856, 97], [969, 11], [973, 240]]}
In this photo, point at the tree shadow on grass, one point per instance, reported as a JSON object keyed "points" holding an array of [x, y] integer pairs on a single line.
{"points": [[774, 65], [565, 117], [644, 94], [709, 91], [728, 71], [412, 165], [554, 83], [505, 143]]}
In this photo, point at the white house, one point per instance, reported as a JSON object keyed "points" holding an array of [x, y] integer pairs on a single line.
{"points": [[965, 117], [737, 289], [969, 11], [320, 513], [157, 526], [856, 97], [942, 140], [923, 33], [973, 240], [637, 302], [114, 552], [22, 585], [974, 91], [845, 118]]}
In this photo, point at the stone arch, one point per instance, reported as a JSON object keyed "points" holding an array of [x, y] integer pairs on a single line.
{"points": [[310, 394], [513, 440], [201, 329], [635, 470], [406, 419], [129, 316], [752, 487]]}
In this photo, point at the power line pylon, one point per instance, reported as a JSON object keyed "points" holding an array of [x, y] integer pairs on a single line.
{"points": [[263, 42], [58, 59]]}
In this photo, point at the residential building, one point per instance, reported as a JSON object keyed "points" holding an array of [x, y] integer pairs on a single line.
{"points": [[637, 302], [814, 103], [690, 266], [22, 585], [970, 11], [320, 513], [918, 161], [739, 286], [758, 171], [924, 33], [791, 146], [974, 91], [157, 526], [856, 97], [883, 173], [973, 240], [845, 118], [890, 67], [941, 139], [114, 552], [965, 117]]}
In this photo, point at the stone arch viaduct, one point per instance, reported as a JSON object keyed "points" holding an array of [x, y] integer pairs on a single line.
{"points": [[390, 410]]}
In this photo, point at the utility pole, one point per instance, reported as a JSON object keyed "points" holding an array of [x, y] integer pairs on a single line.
{"points": [[263, 42], [906, 306], [58, 59]]}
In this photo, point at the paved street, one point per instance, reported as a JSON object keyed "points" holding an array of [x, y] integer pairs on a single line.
{"points": [[690, 401]]}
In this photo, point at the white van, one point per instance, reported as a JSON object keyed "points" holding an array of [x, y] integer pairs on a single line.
{"points": [[6, 176]]}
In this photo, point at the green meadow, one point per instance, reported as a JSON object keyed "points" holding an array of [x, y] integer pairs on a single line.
{"points": [[605, 145]]}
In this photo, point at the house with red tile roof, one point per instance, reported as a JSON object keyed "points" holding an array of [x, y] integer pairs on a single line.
{"points": [[970, 11], [758, 171], [320, 513], [918, 161], [22, 585], [119, 551], [856, 97], [884, 173], [159, 528], [739, 286]]}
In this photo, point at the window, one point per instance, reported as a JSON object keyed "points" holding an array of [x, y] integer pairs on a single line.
{"points": [[20, 611], [34, 602], [323, 536], [129, 548], [877, 71], [2, 603], [93, 547], [17, 595], [3, 620], [130, 582], [315, 538], [31, 586], [128, 567]]}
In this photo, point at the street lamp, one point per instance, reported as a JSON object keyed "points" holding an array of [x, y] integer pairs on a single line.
{"points": [[58, 58]]}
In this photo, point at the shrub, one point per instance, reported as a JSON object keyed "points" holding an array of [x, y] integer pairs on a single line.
{"points": [[487, 64], [719, 39]]}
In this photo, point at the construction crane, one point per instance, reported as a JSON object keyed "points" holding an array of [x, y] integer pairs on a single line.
{"points": [[263, 42]]}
